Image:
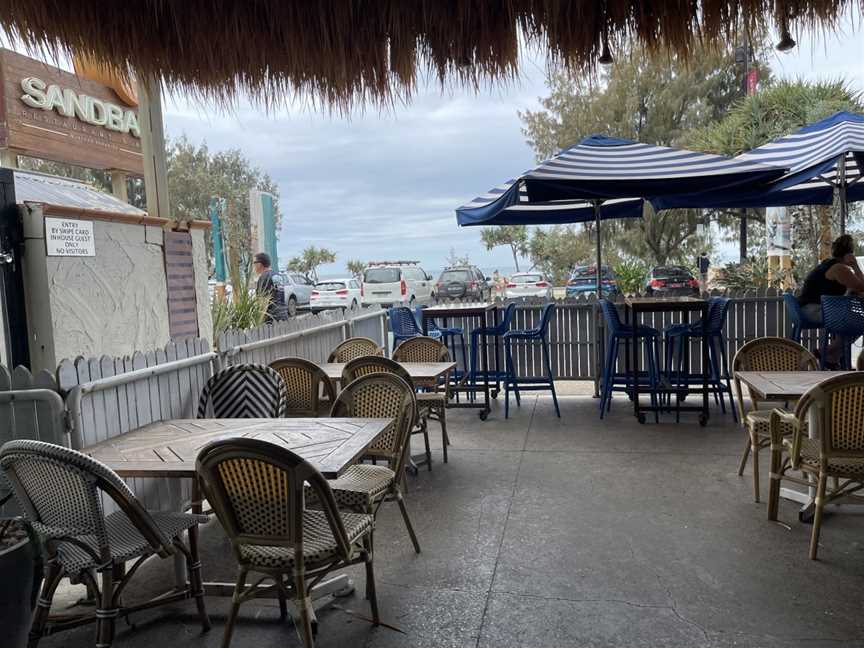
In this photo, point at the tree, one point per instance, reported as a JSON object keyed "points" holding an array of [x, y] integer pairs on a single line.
{"points": [[644, 98], [515, 236], [355, 267], [454, 259], [309, 260], [556, 250]]}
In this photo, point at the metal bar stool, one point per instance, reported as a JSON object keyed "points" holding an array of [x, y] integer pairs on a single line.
{"points": [[842, 318], [448, 335], [524, 383], [403, 325], [800, 321], [490, 331]]}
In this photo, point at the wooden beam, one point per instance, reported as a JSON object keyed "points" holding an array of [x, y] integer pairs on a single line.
{"points": [[119, 184], [153, 148]]}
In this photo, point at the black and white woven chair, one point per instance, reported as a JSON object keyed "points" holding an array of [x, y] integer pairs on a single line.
{"points": [[243, 391], [60, 491]]}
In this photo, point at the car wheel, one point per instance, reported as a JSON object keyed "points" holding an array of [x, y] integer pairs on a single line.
{"points": [[292, 306]]}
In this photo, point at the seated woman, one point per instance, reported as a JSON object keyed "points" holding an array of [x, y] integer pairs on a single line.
{"points": [[838, 276]]}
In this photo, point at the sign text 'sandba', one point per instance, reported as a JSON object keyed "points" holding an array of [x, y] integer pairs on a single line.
{"points": [[38, 94]]}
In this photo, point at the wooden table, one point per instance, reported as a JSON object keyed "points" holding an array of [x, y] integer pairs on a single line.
{"points": [[482, 311], [422, 373], [682, 304], [169, 449]]}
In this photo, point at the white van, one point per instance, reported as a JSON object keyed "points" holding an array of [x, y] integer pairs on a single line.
{"points": [[398, 283]]}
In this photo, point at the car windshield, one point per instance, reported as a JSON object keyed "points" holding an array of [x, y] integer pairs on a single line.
{"points": [[330, 285], [671, 272], [455, 275], [584, 272], [527, 278], [381, 275]]}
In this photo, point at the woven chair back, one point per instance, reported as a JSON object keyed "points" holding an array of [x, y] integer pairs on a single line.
{"points": [[402, 322], [243, 391], [256, 491], [382, 395], [718, 307], [366, 365], [545, 315], [509, 312], [611, 316], [770, 354], [355, 347], [843, 315], [306, 386], [59, 490], [793, 309], [839, 402], [421, 349]]}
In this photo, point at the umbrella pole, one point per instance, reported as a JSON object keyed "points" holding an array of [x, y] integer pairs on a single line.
{"points": [[599, 337], [841, 185]]}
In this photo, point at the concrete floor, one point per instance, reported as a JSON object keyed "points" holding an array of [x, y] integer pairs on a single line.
{"points": [[570, 532]]}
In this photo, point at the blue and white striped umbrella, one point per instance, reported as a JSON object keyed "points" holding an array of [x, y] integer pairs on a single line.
{"points": [[825, 156], [567, 187]]}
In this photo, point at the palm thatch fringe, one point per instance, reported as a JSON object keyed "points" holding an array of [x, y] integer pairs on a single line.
{"points": [[347, 52]]}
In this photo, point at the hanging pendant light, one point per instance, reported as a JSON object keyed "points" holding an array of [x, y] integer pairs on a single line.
{"points": [[786, 41], [606, 55]]}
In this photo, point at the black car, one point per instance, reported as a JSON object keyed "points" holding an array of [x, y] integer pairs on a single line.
{"points": [[463, 282], [671, 280]]}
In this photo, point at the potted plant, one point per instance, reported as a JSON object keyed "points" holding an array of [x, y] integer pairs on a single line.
{"points": [[21, 576]]}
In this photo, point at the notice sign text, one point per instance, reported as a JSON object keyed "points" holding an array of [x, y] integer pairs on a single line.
{"points": [[68, 237]]}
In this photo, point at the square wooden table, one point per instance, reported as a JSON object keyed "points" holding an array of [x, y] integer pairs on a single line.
{"points": [[481, 310], [169, 449]]}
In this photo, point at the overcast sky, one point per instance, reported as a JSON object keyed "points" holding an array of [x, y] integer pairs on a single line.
{"points": [[386, 185]]}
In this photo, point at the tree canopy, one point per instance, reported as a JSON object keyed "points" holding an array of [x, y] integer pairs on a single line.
{"points": [[309, 260], [513, 236]]}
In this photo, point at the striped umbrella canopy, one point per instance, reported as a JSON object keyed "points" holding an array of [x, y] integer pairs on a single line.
{"points": [[821, 158], [577, 184]]}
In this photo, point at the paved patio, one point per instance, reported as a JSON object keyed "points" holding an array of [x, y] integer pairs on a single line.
{"points": [[571, 532]]}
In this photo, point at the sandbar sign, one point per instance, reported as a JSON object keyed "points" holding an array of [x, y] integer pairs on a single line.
{"points": [[69, 237]]}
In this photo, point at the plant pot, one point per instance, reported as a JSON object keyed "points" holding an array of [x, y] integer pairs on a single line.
{"points": [[21, 577]]}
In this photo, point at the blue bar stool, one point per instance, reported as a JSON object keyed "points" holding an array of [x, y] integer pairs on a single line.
{"points": [[447, 335], [404, 325], [800, 322], [529, 384], [677, 338], [618, 333], [487, 331], [843, 318]]}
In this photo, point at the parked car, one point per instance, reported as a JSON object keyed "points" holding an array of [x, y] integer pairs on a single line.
{"points": [[396, 284], [463, 282], [583, 280], [671, 280], [528, 284], [298, 290], [335, 293]]}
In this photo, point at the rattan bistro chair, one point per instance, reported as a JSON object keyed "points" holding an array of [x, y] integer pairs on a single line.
{"points": [[60, 491], [256, 490], [836, 451], [432, 403], [308, 390], [364, 487], [243, 391], [765, 354], [373, 364], [355, 347]]}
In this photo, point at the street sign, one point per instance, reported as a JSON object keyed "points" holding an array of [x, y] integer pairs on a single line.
{"points": [[69, 237]]}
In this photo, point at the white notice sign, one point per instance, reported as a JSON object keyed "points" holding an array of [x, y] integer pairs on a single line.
{"points": [[69, 237]]}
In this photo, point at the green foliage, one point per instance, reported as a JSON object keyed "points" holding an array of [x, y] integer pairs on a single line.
{"points": [[554, 251], [309, 260], [630, 276], [514, 236], [751, 274], [246, 308], [355, 267]]}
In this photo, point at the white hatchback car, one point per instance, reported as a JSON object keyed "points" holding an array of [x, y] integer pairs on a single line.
{"points": [[397, 284], [335, 293], [528, 284]]}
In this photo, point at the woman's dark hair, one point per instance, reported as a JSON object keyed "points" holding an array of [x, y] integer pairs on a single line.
{"points": [[842, 246], [263, 259]]}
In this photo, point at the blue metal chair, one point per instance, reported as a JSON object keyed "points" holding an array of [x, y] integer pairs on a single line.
{"points": [[529, 384], [487, 331], [448, 335], [842, 318], [800, 321], [404, 325], [617, 333], [677, 338]]}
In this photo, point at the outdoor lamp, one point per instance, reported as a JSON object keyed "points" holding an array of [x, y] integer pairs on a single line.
{"points": [[786, 41]]}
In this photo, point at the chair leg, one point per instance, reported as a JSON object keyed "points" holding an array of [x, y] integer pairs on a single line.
{"points": [[304, 623], [774, 483], [817, 514], [283, 598], [235, 605], [652, 376], [744, 457], [508, 368], [371, 594], [106, 613], [724, 357], [545, 347], [445, 440], [754, 450], [196, 582], [53, 575], [400, 500], [608, 376]]}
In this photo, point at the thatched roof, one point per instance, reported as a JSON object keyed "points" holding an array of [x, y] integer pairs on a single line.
{"points": [[343, 52]]}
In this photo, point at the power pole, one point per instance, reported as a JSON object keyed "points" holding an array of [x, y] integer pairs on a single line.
{"points": [[742, 58]]}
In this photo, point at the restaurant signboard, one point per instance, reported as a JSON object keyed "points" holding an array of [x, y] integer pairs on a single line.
{"points": [[48, 113]]}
